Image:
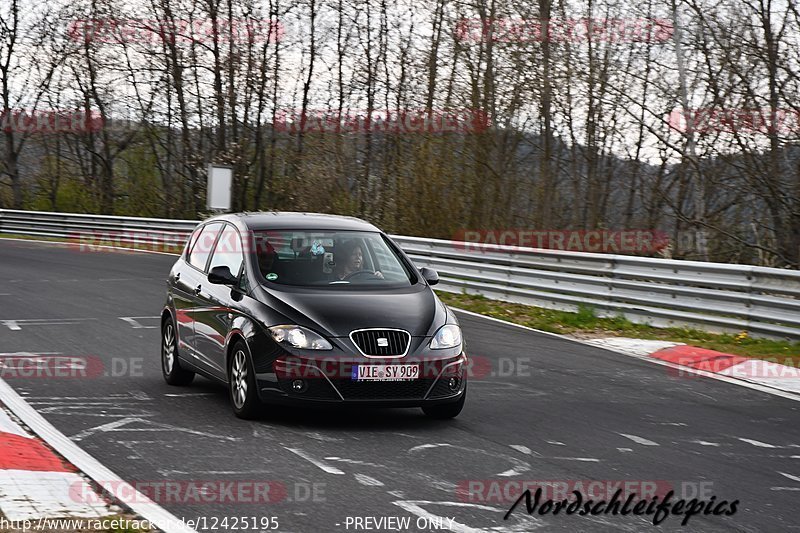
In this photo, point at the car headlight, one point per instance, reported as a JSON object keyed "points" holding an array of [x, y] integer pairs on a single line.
{"points": [[448, 336], [300, 337]]}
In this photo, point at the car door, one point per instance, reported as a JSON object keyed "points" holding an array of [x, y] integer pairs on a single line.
{"points": [[214, 317], [188, 282], [180, 287]]}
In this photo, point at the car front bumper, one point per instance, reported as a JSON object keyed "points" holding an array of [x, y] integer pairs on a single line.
{"points": [[330, 381]]}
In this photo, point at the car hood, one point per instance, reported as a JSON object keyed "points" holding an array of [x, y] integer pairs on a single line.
{"points": [[336, 313]]}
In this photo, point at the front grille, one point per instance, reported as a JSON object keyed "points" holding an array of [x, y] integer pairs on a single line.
{"points": [[383, 390], [382, 342]]}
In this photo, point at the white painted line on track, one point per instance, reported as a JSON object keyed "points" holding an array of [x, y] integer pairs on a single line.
{"points": [[757, 443], [87, 464], [121, 426], [104, 428], [316, 462], [686, 369], [135, 324], [427, 446], [16, 324], [790, 476], [70, 398], [368, 481], [513, 472], [520, 448], [195, 472], [354, 462], [639, 440], [190, 394], [27, 354]]}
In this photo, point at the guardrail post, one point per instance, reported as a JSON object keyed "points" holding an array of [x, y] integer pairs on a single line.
{"points": [[751, 278], [610, 285]]}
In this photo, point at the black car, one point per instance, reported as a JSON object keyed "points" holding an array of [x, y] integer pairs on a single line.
{"points": [[310, 308]]}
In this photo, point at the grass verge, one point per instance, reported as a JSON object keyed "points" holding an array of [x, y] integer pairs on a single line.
{"points": [[585, 324]]}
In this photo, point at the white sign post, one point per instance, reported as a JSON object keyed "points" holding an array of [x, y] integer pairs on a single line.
{"points": [[220, 184]]}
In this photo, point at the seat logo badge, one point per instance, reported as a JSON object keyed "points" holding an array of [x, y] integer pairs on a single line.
{"points": [[384, 342]]}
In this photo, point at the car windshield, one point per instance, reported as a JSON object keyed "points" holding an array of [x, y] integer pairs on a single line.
{"points": [[329, 259]]}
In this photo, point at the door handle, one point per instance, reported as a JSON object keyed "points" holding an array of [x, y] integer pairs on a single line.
{"points": [[198, 290]]}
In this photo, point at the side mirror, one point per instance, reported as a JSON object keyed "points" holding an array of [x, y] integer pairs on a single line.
{"points": [[221, 275], [429, 275]]}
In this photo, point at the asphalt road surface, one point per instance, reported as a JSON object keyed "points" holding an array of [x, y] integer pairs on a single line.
{"points": [[543, 409]]}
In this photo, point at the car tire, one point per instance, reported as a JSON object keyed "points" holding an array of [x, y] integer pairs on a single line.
{"points": [[171, 368], [242, 383], [443, 411]]}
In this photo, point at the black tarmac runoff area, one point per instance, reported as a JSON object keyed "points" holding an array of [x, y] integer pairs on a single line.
{"points": [[542, 411]]}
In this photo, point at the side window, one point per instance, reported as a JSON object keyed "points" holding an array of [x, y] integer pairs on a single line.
{"points": [[228, 251], [198, 255], [192, 239]]}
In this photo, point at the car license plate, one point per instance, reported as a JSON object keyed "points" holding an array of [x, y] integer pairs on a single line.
{"points": [[385, 372]]}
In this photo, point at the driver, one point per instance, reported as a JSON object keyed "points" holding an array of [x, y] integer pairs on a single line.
{"points": [[350, 259]]}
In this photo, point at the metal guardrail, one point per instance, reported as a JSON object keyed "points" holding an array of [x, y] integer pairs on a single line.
{"points": [[713, 296], [89, 231]]}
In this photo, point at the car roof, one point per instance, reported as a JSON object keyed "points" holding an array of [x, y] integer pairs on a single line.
{"points": [[264, 220]]}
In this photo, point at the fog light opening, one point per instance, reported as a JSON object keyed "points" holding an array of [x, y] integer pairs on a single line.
{"points": [[452, 383], [299, 385]]}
